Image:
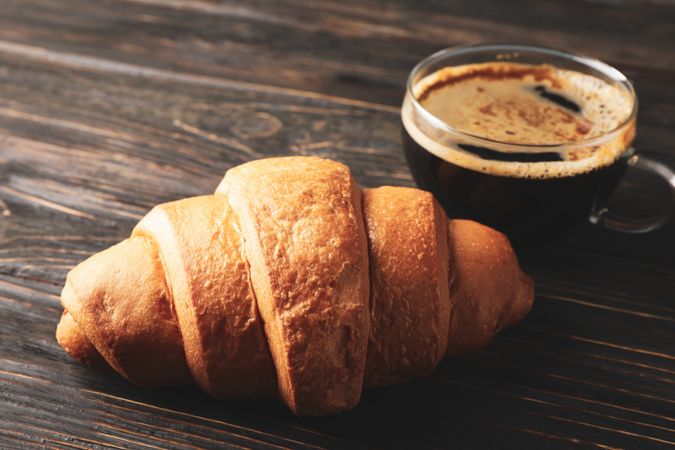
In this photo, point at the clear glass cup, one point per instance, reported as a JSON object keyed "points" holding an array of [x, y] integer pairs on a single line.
{"points": [[521, 189]]}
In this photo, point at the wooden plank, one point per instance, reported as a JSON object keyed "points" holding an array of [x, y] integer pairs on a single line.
{"points": [[368, 65], [342, 49]]}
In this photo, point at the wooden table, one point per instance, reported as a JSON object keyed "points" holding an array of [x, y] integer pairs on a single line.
{"points": [[107, 108]]}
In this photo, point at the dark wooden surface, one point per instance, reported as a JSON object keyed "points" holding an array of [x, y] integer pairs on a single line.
{"points": [[109, 107]]}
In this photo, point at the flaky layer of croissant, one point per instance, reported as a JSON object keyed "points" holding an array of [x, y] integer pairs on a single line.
{"points": [[292, 280]]}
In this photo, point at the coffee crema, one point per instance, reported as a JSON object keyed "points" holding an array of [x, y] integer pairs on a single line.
{"points": [[521, 120]]}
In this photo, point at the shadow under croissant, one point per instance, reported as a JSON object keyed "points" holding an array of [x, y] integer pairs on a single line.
{"points": [[441, 408]]}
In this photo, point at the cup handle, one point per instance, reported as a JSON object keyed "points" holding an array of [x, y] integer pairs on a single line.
{"points": [[609, 219]]}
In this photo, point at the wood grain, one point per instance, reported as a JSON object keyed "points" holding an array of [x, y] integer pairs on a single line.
{"points": [[107, 108]]}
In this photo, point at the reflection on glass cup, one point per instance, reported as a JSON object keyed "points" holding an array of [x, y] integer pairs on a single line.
{"points": [[525, 139]]}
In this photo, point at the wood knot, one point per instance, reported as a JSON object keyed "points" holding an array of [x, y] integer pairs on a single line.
{"points": [[255, 125]]}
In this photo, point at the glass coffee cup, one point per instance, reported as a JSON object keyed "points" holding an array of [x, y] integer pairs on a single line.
{"points": [[528, 140]]}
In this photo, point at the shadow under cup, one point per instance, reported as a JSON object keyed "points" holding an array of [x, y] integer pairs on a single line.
{"points": [[514, 188]]}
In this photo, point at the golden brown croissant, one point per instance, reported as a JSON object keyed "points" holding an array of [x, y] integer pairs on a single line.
{"points": [[292, 280]]}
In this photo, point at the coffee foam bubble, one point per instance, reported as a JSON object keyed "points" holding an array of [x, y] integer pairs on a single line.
{"points": [[519, 104]]}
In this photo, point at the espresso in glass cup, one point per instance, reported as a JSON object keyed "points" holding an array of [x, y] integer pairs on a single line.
{"points": [[528, 140]]}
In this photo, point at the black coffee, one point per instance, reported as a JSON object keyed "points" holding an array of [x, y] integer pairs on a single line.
{"points": [[520, 162]]}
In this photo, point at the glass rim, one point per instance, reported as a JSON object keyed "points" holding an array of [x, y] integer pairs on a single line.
{"points": [[593, 63]]}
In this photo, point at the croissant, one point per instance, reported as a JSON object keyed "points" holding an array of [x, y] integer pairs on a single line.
{"points": [[292, 280]]}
